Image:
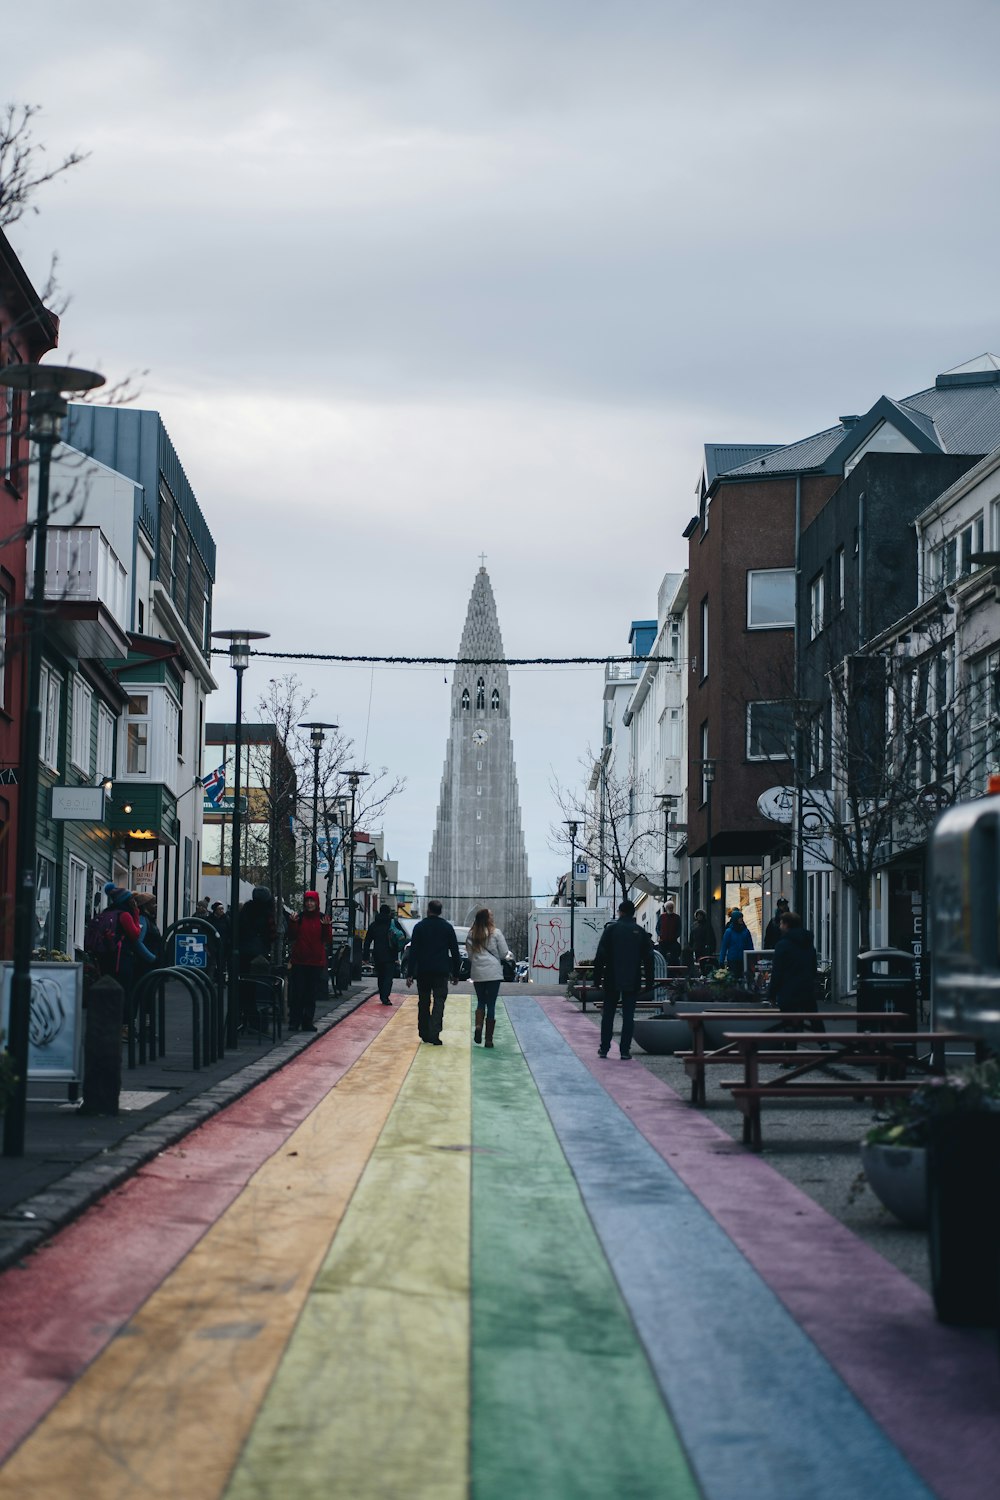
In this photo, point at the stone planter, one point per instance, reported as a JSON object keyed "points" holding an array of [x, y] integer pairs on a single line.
{"points": [[897, 1175], [662, 1034]]}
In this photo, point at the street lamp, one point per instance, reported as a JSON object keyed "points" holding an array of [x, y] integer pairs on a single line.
{"points": [[46, 385], [316, 737], [239, 660], [353, 781], [573, 825], [668, 802]]}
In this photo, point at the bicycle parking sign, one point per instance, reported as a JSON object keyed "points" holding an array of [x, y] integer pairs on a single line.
{"points": [[191, 949]]}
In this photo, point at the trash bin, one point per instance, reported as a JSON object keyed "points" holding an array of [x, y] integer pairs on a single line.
{"points": [[887, 981]]}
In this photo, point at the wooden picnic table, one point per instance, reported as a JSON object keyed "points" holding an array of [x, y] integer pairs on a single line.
{"points": [[696, 1060], [856, 1049]]}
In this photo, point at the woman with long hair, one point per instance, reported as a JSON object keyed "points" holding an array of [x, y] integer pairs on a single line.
{"points": [[487, 950]]}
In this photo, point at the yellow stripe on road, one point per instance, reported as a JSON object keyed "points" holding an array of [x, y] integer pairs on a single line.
{"points": [[372, 1399], [165, 1409]]}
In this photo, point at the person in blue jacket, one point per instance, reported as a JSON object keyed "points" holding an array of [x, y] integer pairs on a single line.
{"points": [[735, 941]]}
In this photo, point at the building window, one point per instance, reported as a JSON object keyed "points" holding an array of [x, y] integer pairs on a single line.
{"points": [[704, 637], [105, 742], [479, 791], [49, 699], [465, 700], [171, 724], [495, 700], [953, 558], [840, 574], [770, 730], [137, 735], [45, 888], [703, 746], [984, 718], [771, 599], [480, 693], [77, 904], [479, 838], [80, 741], [140, 611], [816, 606], [479, 815]]}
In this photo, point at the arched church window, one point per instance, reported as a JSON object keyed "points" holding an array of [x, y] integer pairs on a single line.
{"points": [[465, 700], [480, 693], [495, 700]]}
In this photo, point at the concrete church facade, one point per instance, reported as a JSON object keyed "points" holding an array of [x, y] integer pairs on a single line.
{"points": [[478, 855]]}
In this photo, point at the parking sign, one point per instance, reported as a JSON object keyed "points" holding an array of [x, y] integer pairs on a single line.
{"points": [[191, 949]]}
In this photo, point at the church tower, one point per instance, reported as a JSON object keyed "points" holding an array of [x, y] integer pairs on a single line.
{"points": [[478, 856]]}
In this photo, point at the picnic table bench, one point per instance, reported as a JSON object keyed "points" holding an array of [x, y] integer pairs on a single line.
{"points": [[696, 1061], [649, 1002], [856, 1048]]}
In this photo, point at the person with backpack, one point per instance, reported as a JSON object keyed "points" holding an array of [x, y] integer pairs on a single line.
{"points": [[149, 949], [311, 934], [384, 942], [112, 941]]}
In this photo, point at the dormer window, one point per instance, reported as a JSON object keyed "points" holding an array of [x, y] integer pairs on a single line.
{"points": [[465, 700], [495, 700], [480, 693]]}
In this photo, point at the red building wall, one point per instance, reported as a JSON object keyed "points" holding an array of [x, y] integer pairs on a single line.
{"points": [[27, 331]]}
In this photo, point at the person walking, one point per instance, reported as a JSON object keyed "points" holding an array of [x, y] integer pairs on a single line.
{"points": [[219, 920], [702, 938], [110, 943], [487, 949], [736, 940], [257, 933], [433, 959], [384, 942], [668, 933], [623, 966], [311, 934], [793, 969], [772, 932], [149, 948]]}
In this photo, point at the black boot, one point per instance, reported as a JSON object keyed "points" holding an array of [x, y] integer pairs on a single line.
{"points": [[478, 1033], [491, 1022]]}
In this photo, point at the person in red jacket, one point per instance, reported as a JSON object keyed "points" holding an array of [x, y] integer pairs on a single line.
{"points": [[311, 934]]}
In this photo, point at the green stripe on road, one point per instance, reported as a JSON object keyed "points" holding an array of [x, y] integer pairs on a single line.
{"points": [[563, 1400]]}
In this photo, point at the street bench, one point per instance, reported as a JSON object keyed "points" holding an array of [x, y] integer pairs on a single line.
{"points": [[696, 1061], [855, 1049]]}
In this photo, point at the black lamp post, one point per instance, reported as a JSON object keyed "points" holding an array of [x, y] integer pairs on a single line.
{"points": [[46, 411], [239, 660], [317, 735], [708, 777], [573, 825], [353, 781], [668, 802]]}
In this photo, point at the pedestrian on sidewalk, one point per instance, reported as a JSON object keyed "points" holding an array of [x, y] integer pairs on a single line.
{"points": [[702, 939], [668, 933], [220, 922], [736, 940], [623, 967], [257, 933], [793, 969], [110, 943], [384, 942], [772, 932], [149, 949], [433, 959], [488, 951], [311, 935]]}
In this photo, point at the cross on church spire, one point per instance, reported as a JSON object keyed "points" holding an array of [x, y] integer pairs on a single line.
{"points": [[482, 559]]}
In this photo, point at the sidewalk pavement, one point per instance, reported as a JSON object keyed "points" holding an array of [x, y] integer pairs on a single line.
{"points": [[70, 1159]]}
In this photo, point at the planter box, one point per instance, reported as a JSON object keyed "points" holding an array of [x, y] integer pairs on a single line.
{"points": [[897, 1175]]}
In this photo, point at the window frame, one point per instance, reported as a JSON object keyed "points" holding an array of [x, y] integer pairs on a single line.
{"points": [[50, 704], [758, 756], [788, 624], [83, 710], [817, 605]]}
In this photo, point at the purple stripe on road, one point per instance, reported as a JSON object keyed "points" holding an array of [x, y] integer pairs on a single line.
{"points": [[934, 1390]]}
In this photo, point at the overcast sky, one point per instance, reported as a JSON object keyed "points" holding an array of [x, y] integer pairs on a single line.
{"points": [[413, 281]]}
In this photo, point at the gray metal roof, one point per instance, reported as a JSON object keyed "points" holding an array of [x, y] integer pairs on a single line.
{"points": [[960, 413], [721, 457]]}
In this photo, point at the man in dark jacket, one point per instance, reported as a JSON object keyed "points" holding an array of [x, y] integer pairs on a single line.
{"points": [[384, 941], [793, 970], [433, 959], [623, 967], [772, 933]]}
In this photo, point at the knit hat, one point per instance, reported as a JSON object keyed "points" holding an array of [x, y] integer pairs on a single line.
{"points": [[145, 899], [261, 893], [311, 896]]}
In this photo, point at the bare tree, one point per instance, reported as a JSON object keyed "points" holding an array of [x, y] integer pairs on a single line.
{"points": [[615, 824]]}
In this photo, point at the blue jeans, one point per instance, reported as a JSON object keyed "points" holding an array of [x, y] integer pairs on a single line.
{"points": [[487, 991]]}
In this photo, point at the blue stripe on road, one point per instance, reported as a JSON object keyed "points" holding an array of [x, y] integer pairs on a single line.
{"points": [[758, 1408]]}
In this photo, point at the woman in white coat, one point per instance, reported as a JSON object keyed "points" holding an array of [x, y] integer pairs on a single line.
{"points": [[487, 950]]}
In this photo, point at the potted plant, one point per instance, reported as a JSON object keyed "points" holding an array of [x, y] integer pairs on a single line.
{"points": [[894, 1153]]}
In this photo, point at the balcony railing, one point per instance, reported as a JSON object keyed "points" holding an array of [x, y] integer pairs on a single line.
{"points": [[81, 564], [622, 671]]}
